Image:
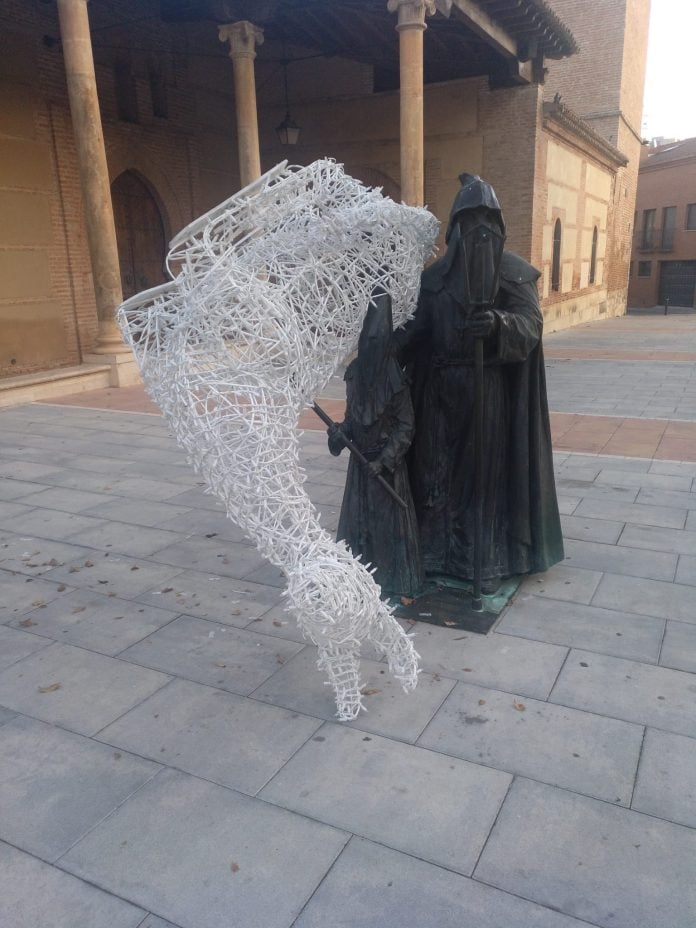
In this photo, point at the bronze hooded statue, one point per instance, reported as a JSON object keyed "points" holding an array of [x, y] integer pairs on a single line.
{"points": [[521, 530]]}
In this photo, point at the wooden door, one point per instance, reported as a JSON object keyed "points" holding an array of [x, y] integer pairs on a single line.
{"points": [[140, 234]]}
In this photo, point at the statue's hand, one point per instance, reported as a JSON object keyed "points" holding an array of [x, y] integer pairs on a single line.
{"points": [[483, 324], [336, 439], [375, 468]]}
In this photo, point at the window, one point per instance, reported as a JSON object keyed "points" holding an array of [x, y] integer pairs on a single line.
{"points": [[691, 216], [158, 92], [648, 228], [593, 256], [644, 268], [556, 262], [126, 92], [669, 222]]}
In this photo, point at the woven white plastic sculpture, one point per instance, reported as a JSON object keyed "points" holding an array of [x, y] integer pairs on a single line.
{"points": [[268, 296]]}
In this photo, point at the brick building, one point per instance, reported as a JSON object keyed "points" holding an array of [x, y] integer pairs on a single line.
{"points": [[178, 122], [663, 265]]}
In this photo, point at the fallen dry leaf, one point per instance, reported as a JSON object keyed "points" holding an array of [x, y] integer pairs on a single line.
{"points": [[89, 564], [482, 702], [520, 706], [436, 676], [168, 589], [78, 609], [234, 867], [370, 691], [278, 624], [27, 623], [51, 688], [38, 602], [467, 670], [73, 570], [135, 567], [62, 588], [219, 664]]}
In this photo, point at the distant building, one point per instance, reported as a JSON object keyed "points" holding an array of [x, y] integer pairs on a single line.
{"points": [[663, 262], [507, 93]]}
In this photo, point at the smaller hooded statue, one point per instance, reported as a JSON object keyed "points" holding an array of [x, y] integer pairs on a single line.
{"points": [[379, 421], [478, 291]]}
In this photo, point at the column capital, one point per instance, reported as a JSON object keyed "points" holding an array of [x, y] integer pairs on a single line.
{"points": [[412, 13], [243, 38]]}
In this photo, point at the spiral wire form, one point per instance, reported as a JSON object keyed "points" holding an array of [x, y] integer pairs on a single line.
{"points": [[267, 299]]}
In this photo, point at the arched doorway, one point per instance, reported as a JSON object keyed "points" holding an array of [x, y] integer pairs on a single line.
{"points": [[139, 233]]}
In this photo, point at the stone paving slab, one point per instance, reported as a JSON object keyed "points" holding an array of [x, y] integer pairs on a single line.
{"points": [[16, 645], [20, 594], [563, 582], [669, 498], [299, 686], [659, 539], [618, 559], [628, 690], [222, 656], [586, 753], [636, 637], [208, 596], [372, 886], [19, 489], [34, 894], [114, 574], [99, 623], [125, 539], [513, 664], [56, 785], [228, 739], [602, 530], [679, 647], [591, 490], [75, 688], [636, 513], [610, 866], [49, 523], [210, 555], [666, 784], [150, 513], [64, 499], [204, 856], [434, 807], [647, 597]]}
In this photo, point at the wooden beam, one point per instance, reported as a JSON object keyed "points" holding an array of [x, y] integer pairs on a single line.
{"points": [[481, 23]]}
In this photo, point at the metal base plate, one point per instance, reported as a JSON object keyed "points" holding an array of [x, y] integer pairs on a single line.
{"points": [[447, 602]]}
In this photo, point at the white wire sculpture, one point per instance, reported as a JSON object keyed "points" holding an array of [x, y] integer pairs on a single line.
{"points": [[268, 297]]}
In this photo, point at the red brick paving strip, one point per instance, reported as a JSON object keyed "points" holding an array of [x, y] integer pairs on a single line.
{"points": [[641, 438]]}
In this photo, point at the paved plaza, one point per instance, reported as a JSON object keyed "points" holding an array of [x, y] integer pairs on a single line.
{"points": [[169, 756]]}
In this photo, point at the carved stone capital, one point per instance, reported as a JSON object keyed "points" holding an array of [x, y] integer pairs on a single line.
{"points": [[243, 38], [412, 13]]}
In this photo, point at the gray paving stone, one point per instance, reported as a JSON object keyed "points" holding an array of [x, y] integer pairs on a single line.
{"points": [[11, 512], [50, 523], [245, 864], [647, 597], [55, 785], [152, 921], [197, 499], [562, 582], [65, 499], [617, 477], [209, 596], [277, 621], [628, 690], [100, 623], [567, 504], [143, 488], [371, 886], [610, 866], [268, 575], [659, 539], [16, 645], [580, 626], [231, 740], [20, 594], [141, 512], [590, 489], [666, 784], [630, 562], [679, 647], [636, 513], [94, 690], [299, 686], [563, 747], [232, 659], [691, 521], [209, 523], [377, 788], [34, 894], [27, 470], [210, 555], [513, 664], [573, 470], [82, 480], [114, 574], [125, 539], [675, 468], [18, 489]]}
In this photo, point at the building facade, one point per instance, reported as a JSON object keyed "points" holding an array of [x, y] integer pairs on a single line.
{"points": [[176, 118], [663, 262]]}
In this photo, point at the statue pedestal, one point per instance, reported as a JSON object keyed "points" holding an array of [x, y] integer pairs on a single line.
{"points": [[447, 602]]}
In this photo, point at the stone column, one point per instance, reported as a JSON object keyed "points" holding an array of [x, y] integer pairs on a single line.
{"points": [[93, 170], [243, 38], [411, 26]]}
